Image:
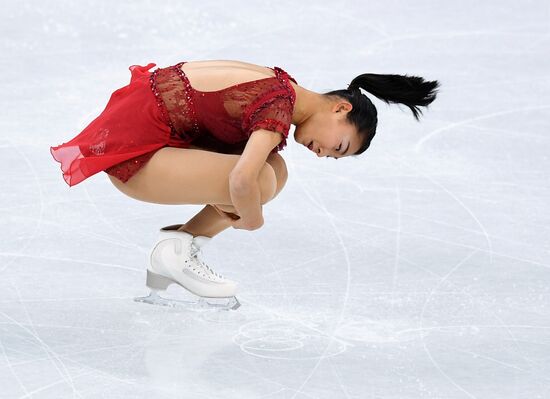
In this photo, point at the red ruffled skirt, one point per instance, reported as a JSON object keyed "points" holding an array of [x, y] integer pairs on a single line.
{"points": [[128, 132]]}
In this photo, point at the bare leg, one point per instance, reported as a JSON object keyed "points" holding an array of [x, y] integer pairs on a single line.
{"points": [[207, 222], [191, 176], [178, 176]]}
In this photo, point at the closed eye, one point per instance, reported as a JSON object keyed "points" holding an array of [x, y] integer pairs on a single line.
{"points": [[338, 150]]}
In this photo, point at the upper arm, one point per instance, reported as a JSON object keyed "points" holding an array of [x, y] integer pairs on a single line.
{"points": [[258, 147], [267, 125]]}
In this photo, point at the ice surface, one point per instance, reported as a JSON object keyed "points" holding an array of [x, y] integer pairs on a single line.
{"points": [[420, 269]]}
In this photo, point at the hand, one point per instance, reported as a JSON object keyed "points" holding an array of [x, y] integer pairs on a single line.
{"points": [[234, 220], [226, 215]]}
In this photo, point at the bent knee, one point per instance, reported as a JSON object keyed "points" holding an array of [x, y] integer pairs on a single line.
{"points": [[267, 180], [279, 166]]}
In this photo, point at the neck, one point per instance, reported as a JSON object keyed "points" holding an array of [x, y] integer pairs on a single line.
{"points": [[307, 102]]}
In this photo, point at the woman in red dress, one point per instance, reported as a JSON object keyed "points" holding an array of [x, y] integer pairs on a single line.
{"points": [[209, 132]]}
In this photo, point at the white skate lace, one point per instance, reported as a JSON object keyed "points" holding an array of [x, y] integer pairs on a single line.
{"points": [[194, 254]]}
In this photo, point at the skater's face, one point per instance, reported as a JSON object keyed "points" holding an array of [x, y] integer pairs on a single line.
{"points": [[327, 131]]}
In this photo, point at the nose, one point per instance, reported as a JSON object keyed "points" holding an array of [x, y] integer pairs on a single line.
{"points": [[320, 153]]}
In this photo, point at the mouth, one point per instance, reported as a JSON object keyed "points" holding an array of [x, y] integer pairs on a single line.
{"points": [[310, 145]]}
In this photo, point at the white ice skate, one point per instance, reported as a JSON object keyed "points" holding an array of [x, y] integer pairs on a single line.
{"points": [[173, 260]]}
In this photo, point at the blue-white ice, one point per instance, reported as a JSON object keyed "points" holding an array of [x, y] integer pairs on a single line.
{"points": [[419, 270]]}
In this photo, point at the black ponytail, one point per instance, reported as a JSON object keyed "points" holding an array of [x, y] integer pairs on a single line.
{"points": [[413, 91]]}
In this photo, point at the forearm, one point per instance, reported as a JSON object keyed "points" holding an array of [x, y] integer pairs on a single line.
{"points": [[246, 198]]}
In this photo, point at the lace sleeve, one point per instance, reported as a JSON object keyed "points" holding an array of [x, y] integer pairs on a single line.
{"points": [[274, 114]]}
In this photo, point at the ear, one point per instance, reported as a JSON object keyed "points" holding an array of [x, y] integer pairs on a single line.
{"points": [[343, 106]]}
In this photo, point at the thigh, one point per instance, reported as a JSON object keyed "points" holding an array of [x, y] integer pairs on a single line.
{"points": [[189, 176]]}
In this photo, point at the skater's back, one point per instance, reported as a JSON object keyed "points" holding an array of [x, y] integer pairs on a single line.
{"points": [[217, 104]]}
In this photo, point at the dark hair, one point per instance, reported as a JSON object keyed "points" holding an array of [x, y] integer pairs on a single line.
{"points": [[412, 91]]}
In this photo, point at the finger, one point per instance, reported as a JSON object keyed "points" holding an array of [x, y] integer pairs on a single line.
{"points": [[233, 216], [220, 212], [225, 216]]}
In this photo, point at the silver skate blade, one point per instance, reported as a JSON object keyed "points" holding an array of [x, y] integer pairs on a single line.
{"points": [[202, 304]]}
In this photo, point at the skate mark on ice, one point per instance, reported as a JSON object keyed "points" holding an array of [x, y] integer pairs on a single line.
{"points": [[463, 122], [462, 204], [274, 271], [397, 246], [285, 339], [338, 322], [51, 355], [482, 227], [422, 324], [38, 223]]}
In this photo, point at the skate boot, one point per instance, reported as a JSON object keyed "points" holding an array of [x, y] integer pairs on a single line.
{"points": [[173, 259]]}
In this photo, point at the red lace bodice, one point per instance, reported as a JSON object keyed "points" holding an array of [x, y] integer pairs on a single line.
{"points": [[223, 120]]}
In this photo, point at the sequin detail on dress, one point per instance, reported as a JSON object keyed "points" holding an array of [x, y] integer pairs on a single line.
{"points": [[273, 111], [173, 93], [126, 169]]}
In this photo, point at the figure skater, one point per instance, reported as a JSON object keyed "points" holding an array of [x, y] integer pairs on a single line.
{"points": [[209, 132]]}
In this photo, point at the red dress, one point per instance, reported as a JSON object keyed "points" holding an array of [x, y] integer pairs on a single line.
{"points": [[161, 108]]}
